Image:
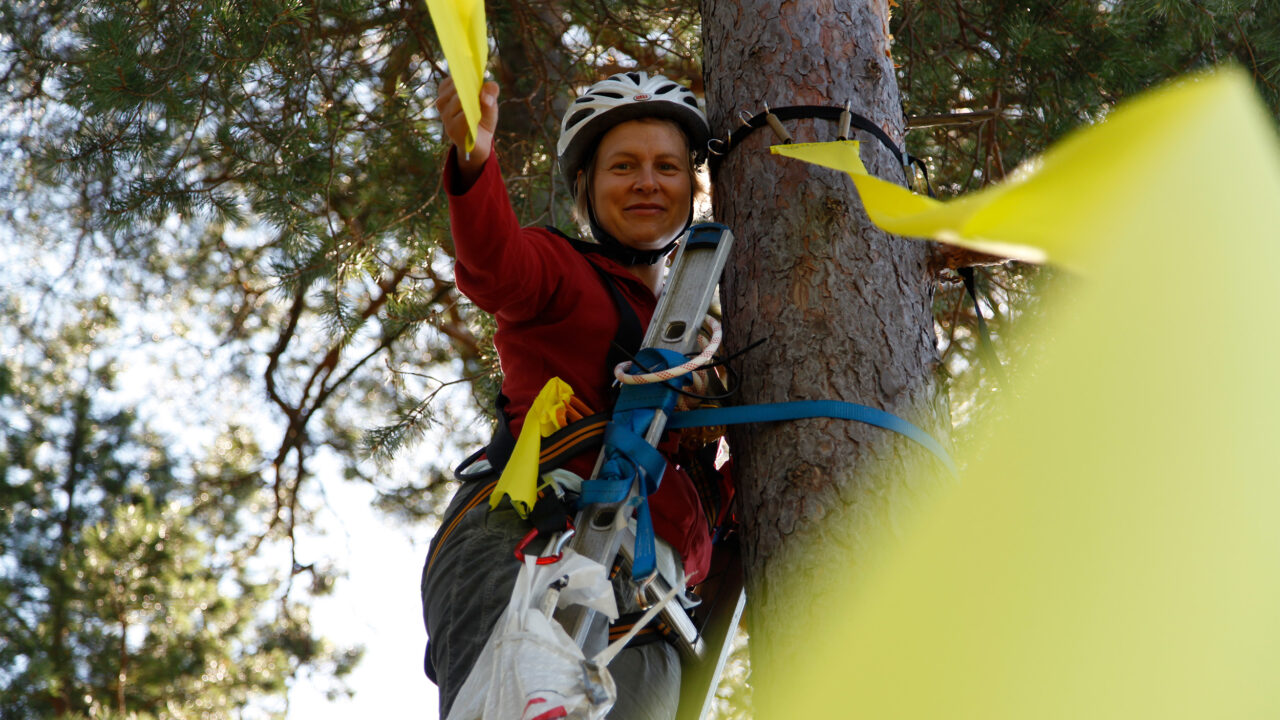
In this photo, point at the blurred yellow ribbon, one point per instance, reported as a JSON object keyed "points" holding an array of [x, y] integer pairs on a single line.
{"points": [[461, 29], [553, 408], [1112, 551]]}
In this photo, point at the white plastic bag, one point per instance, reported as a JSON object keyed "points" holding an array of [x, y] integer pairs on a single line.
{"points": [[529, 668]]}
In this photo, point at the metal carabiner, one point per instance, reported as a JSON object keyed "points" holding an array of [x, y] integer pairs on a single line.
{"points": [[642, 601], [558, 548], [564, 539]]}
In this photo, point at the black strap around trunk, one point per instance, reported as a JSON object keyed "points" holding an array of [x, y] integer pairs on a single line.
{"points": [[986, 348]]}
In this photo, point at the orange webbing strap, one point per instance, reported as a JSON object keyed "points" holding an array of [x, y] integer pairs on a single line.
{"points": [[656, 630], [582, 434], [444, 534], [570, 440], [586, 431]]}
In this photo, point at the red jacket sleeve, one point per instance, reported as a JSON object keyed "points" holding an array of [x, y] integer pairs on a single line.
{"points": [[503, 268]]}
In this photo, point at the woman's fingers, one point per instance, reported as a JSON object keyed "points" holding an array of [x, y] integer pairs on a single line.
{"points": [[456, 127]]}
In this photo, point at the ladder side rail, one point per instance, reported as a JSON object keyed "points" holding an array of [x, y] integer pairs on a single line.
{"points": [[676, 320]]}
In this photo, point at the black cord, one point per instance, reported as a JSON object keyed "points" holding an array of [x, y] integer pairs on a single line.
{"points": [[719, 147], [740, 353], [734, 376], [986, 348], [728, 393]]}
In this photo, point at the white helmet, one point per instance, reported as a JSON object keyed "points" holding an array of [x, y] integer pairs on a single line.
{"points": [[623, 97]]}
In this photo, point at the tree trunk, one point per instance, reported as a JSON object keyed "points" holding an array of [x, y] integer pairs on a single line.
{"points": [[844, 307], [530, 67]]}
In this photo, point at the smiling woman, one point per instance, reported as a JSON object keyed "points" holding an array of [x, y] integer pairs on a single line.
{"points": [[571, 309], [640, 186]]}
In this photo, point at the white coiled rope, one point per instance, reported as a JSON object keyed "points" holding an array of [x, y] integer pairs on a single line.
{"points": [[709, 348]]}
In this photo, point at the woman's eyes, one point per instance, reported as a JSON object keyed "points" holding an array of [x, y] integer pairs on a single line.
{"points": [[662, 167]]}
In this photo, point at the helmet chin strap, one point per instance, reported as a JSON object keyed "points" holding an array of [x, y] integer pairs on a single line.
{"points": [[613, 249]]}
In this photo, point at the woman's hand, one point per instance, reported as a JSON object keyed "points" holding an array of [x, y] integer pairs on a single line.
{"points": [[455, 126]]}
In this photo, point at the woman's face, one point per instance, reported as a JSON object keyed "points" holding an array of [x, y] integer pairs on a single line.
{"points": [[641, 191]]}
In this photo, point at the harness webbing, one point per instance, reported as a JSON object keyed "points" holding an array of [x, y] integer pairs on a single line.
{"points": [[802, 409], [633, 463], [472, 502], [625, 343], [721, 147], [556, 449]]}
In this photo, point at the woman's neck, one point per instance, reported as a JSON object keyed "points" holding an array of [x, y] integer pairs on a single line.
{"points": [[650, 275]]}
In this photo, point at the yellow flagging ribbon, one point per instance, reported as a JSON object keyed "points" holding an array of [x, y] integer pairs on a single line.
{"points": [[1061, 205], [903, 212], [1112, 551], [461, 29], [554, 408]]}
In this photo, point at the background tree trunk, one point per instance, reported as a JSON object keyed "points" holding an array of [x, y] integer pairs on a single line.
{"points": [[845, 308]]}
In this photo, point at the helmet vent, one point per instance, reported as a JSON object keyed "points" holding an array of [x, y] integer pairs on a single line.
{"points": [[579, 117], [623, 97]]}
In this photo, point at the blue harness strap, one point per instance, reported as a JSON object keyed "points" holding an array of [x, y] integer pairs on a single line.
{"points": [[629, 460], [632, 462], [800, 409]]}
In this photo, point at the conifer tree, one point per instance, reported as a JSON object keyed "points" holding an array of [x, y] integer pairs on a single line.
{"points": [[266, 176], [838, 302], [128, 587]]}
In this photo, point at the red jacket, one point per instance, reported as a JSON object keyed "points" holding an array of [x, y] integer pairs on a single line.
{"points": [[556, 318]]}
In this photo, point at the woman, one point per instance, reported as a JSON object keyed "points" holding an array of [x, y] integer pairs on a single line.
{"points": [[629, 148]]}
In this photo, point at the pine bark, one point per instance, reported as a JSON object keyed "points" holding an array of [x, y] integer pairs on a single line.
{"points": [[845, 308]]}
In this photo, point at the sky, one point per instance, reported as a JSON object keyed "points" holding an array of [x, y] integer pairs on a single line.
{"points": [[377, 605]]}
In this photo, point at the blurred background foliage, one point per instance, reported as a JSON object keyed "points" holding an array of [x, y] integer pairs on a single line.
{"points": [[224, 259]]}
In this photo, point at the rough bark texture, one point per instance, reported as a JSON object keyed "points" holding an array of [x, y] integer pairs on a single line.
{"points": [[845, 307]]}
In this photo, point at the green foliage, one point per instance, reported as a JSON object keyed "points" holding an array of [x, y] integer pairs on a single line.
{"points": [[127, 585], [1045, 68], [275, 166], [244, 196]]}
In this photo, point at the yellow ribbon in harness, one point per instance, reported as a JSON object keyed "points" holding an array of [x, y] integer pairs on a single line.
{"points": [[551, 410]]}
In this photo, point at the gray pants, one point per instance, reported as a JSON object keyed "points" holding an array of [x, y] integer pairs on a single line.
{"points": [[466, 585]]}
